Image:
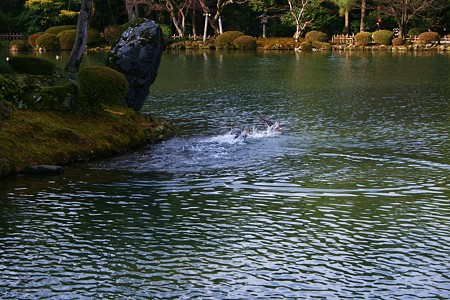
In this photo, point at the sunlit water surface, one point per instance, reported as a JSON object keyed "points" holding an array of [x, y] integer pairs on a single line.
{"points": [[350, 200]]}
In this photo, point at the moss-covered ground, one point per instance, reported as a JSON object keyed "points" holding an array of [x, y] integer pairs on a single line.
{"points": [[59, 138]]}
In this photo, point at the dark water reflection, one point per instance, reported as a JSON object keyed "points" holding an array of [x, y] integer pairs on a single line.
{"points": [[349, 201]]}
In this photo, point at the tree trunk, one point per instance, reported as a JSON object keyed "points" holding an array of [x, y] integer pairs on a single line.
{"points": [[171, 8], [346, 21], [297, 33], [363, 15], [73, 64], [130, 10], [194, 20]]}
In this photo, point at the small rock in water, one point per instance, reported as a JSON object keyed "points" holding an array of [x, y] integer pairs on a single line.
{"points": [[44, 170]]}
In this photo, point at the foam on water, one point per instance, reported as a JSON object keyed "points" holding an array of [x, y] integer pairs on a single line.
{"points": [[240, 136]]}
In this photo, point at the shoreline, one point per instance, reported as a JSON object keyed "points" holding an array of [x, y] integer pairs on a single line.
{"points": [[57, 139]]}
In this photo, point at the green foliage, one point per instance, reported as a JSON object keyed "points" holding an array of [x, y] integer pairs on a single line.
{"points": [[315, 35], [43, 93], [306, 46], [383, 37], [416, 31], [48, 41], [226, 39], [32, 39], [321, 45], [166, 32], [9, 89], [111, 33], [245, 42], [397, 41], [5, 110], [18, 45], [67, 39], [57, 98], [93, 37], [7, 22], [32, 65], [57, 29], [281, 29], [41, 14], [428, 37], [98, 87], [363, 38]]}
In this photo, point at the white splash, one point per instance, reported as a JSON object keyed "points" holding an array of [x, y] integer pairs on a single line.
{"points": [[238, 136]]}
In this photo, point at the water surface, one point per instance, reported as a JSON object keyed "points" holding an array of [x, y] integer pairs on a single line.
{"points": [[351, 200]]}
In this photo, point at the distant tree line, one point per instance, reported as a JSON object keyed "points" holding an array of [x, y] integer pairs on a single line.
{"points": [[282, 17]]}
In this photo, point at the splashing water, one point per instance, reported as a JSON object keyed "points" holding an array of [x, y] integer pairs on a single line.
{"points": [[198, 153], [235, 136]]}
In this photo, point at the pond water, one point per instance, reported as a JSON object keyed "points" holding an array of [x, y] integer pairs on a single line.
{"points": [[350, 200]]}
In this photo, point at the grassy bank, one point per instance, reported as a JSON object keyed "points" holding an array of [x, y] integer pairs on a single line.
{"points": [[58, 138]]}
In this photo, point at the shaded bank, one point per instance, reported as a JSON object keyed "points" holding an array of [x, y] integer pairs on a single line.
{"points": [[56, 138]]}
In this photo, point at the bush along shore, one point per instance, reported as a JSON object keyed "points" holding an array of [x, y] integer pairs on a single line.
{"points": [[55, 121], [381, 40]]}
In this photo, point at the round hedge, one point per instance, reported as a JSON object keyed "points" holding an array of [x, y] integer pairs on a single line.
{"points": [[416, 31], [321, 45], [226, 39], [48, 41], [383, 37], [363, 38], [98, 87], [111, 32], [397, 41], [306, 46], [32, 39], [93, 37], [18, 45], [245, 42], [428, 37], [57, 29], [32, 65], [67, 39], [315, 35]]}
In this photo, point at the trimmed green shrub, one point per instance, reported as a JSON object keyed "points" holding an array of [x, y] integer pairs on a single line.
{"points": [[57, 29], [428, 37], [321, 45], [363, 38], [67, 39], [32, 65], [383, 37], [306, 46], [47, 41], [18, 45], [93, 37], [32, 39], [397, 41], [100, 86], [166, 31], [245, 42], [111, 32], [226, 39], [416, 31], [315, 35]]}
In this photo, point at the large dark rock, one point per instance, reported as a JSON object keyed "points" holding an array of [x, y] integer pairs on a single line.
{"points": [[137, 54]]}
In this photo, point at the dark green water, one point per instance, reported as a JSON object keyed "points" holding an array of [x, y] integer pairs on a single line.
{"points": [[351, 200]]}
